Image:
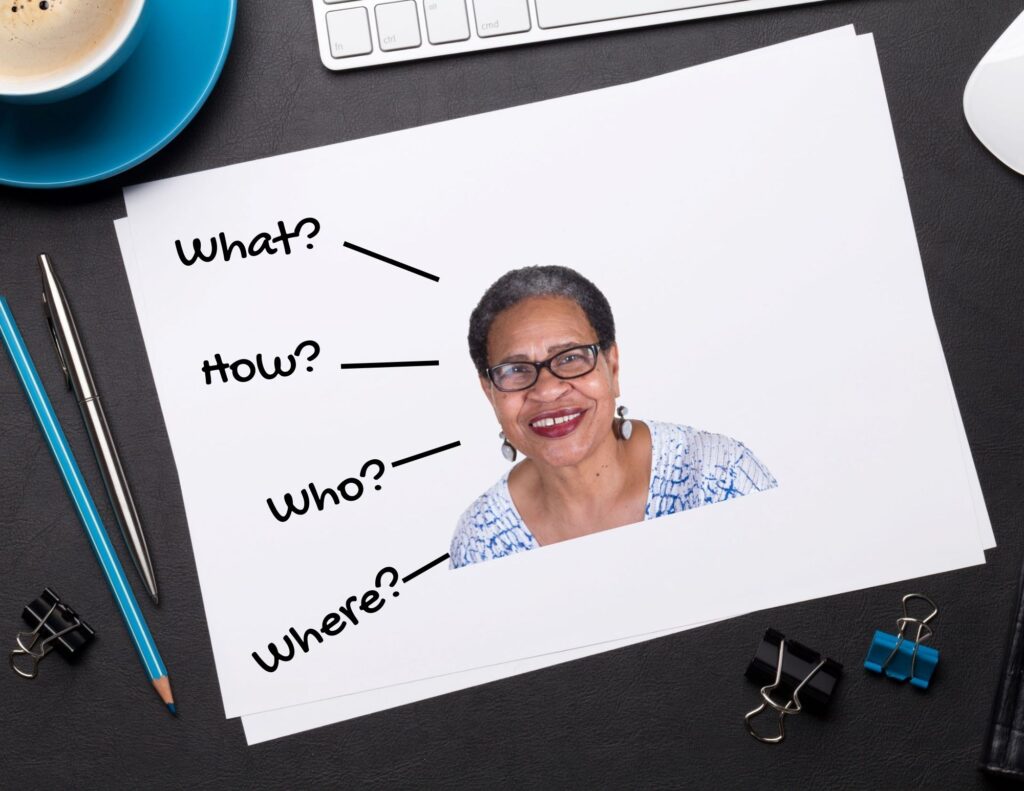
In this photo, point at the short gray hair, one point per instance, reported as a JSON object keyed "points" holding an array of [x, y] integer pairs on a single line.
{"points": [[537, 281]]}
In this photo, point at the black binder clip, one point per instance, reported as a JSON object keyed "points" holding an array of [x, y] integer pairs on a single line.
{"points": [[796, 670], [54, 625]]}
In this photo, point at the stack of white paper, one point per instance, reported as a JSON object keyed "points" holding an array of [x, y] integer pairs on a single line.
{"points": [[747, 220]]}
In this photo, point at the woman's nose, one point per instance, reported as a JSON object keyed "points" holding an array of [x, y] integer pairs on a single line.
{"points": [[548, 387]]}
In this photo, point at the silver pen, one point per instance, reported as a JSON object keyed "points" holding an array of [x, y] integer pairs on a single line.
{"points": [[79, 377]]}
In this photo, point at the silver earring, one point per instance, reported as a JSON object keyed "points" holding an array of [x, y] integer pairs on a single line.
{"points": [[507, 450], [625, 426]]}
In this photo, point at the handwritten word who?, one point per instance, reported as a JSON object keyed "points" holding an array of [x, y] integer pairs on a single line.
{"points": [[261, 244], [245, 370], [349, 490]]}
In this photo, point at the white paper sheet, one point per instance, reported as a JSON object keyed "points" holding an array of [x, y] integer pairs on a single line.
{"points": [[263, 726], [776, 159], [273, 724]]}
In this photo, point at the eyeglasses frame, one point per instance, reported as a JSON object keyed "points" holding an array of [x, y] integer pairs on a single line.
{"points": [[596, 347]]}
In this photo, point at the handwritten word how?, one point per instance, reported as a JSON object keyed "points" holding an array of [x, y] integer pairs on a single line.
{"points": [[245, 370], [261, 243], [336, 621], [349, 489]]}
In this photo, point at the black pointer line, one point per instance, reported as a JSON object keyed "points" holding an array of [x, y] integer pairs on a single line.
{"points": [[392, 261], [402, 364], [425, 453], [427, 567]]}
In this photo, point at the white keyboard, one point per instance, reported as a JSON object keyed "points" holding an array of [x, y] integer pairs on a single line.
{"points": [[358, 33]]}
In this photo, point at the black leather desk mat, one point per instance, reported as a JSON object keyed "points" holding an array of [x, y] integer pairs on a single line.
{"points": [[667, 713]]}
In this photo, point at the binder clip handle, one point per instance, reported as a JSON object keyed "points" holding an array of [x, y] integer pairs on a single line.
{"points": [[35, 657], [791, 706], [920, 621]]}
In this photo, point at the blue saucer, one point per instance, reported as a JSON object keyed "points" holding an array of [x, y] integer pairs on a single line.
{"points": [[131, 116]]}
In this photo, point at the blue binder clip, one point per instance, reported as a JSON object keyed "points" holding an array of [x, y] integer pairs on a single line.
{"points": [[900, 660]]}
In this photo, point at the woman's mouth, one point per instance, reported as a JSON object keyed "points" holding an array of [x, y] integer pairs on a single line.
{"points": [[558, 423]]}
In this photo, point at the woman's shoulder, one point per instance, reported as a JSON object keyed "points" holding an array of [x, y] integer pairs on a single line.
{"points": [[490, 527], [679, 447], [489, 507], [677, 438]]}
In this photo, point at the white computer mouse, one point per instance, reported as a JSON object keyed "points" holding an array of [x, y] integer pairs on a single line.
{"points": [[994, 97]]}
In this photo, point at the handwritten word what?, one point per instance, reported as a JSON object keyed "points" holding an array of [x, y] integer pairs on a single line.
{"points": [[261, 244]]}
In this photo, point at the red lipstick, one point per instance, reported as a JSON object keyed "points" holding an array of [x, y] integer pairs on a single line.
{"points": [[557, 422]]}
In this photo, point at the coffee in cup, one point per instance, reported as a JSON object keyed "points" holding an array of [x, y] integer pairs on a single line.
{"points": [[57, 45]]}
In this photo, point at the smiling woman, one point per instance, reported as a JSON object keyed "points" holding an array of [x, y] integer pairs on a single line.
{"points": [[542, 339]]}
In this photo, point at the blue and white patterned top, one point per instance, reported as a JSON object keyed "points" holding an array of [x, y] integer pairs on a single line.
{"points": [[689, 468]]}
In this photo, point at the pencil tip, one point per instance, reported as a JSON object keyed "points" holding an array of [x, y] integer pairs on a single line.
{"points": [[154, 597], [162, 686]]}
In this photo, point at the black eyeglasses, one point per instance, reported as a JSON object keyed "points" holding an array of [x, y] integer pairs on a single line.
{"points": [[567, 364]]}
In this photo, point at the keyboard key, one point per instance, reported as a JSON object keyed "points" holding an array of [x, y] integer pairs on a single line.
{"points": [[349, 32], [398, 25], [501, 17], [559, 13], [446, 20]]}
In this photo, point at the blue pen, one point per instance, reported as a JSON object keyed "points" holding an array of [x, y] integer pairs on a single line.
{"points": [[136, 623]]}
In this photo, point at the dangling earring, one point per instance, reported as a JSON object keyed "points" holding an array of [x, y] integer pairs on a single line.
{"points": [[625, 426], [507, 450]]}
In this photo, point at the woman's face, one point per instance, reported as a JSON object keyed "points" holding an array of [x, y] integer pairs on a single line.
{"points": [[534, 330]]}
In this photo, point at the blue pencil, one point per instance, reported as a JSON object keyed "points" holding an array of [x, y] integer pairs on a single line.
{"points": [[112, 570]]}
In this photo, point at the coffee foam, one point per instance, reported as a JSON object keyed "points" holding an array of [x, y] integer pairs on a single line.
{"points": [[40, 39]]}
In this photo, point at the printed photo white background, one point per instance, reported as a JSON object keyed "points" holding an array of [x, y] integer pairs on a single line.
{"points": [[753, 236]]}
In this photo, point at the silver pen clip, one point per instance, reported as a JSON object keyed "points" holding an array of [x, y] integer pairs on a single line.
{"points": [[56, 343]]}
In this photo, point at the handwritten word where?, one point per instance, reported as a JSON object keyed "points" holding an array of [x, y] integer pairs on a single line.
{"points": [[336, 621], [244, 370], [260, 244], [333, 623]]}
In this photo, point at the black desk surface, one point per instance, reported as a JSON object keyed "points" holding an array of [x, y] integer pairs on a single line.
{"points": [[666, 713]]}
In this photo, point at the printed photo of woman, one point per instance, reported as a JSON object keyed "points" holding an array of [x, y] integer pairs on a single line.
{"points": [[542, 339]]}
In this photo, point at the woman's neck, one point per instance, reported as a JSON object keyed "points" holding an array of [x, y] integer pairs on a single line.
{"points": [[607, 489]]}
